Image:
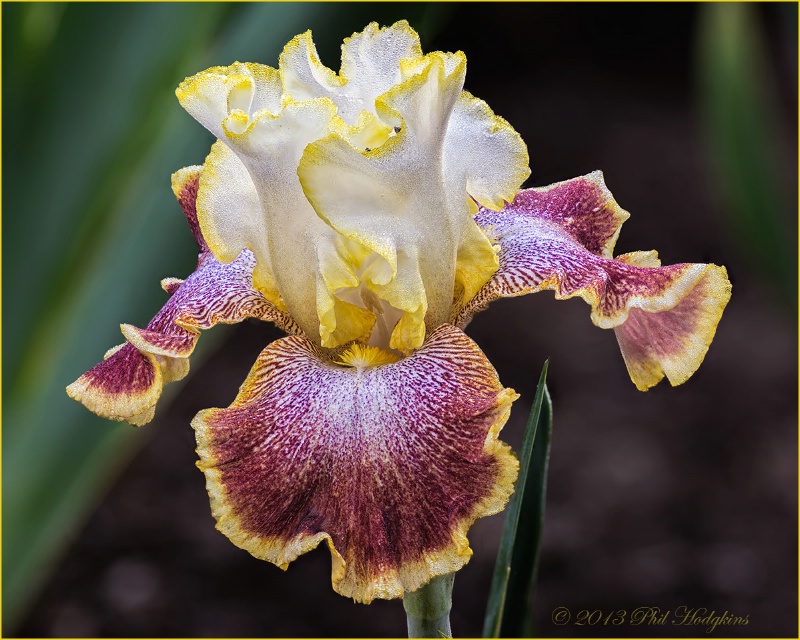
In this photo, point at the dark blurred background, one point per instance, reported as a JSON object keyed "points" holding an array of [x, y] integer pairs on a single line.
{"points": [[675, 497]]}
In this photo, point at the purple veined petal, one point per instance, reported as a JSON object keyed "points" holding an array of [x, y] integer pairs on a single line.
{"points": [[389, 465], [128, 383], [561, 238]]}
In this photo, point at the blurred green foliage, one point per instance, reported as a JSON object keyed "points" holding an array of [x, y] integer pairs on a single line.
{"points": [[742, 123], [92, 132]]}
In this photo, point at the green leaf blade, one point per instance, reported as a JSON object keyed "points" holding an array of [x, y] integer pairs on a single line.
{"points": [[508, 612]]}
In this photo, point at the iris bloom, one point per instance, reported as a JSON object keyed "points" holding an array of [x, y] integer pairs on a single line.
{"points": [[370, 215]]}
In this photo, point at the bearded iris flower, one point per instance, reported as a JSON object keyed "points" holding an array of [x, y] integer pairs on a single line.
{"points": [[370, 214]]}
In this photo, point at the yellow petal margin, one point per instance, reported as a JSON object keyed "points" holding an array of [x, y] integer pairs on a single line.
{"points": [[389, 465]]}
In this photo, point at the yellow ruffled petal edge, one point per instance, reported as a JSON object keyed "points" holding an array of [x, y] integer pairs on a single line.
{"points": [[390, 465], [219, 93]]}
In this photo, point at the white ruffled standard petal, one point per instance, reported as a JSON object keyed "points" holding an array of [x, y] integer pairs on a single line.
{"points": [[283, 231], [375, 238], [389, 199], [370, 67]]}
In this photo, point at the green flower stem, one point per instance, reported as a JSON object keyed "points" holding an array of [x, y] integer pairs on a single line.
{"points": [[428, 608]]}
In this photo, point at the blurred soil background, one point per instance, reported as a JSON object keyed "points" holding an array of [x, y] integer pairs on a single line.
{"points": [[675, 497]]}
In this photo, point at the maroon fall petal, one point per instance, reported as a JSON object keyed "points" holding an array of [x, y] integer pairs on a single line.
{"points": [[389, 464]]}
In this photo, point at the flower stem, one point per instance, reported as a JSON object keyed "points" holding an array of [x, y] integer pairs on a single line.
{"points": [[428, 608]]}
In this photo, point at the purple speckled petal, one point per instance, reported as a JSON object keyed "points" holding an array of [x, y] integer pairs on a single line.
{"points": [[389, 465], [127, 385], [562, 237]]}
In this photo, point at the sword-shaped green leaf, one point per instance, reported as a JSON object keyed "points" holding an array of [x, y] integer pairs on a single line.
{"points": [[508, 612]]}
